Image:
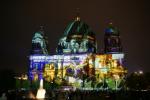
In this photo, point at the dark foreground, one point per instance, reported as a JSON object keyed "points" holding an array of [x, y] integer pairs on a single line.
{"points": [[80, 95]]}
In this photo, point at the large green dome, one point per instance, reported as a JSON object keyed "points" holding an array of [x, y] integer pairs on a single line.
{"points": [[77, 38], [78, 29]]}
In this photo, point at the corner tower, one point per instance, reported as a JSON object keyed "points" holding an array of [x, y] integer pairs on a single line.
{"points": [[39, 42], [38, 54], [112, 40]]}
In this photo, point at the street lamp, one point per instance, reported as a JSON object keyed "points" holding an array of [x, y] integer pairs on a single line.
{"points": [[140, 72]]}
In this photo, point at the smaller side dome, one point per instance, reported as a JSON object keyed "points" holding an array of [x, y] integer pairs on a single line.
{"points": [[111, 30], [39, 43]]}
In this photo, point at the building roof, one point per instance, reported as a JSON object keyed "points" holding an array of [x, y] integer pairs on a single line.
{"points": [[78, 28], [111, 30]]}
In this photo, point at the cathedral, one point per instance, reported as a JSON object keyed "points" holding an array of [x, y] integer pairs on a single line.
{"points": [[77, 62]]}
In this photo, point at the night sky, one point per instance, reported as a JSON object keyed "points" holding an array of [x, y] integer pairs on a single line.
{"points": [[20, 19]]}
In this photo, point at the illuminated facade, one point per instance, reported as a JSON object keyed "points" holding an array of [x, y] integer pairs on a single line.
{"points": [[76, 61]]}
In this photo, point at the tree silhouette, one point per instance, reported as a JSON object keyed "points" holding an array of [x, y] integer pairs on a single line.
{"points": [[7, 80]]}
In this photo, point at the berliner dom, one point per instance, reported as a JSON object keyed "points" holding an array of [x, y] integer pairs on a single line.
{"points": [[77, 62]]}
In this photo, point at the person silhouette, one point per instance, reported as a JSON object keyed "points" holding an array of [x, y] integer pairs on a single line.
{"points": [[3, 97]]}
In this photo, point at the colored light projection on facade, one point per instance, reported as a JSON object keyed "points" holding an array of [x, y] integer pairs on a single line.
{"points": [[77, 38], [109, 69], [100, 69], [77, 64], [39, 43]]}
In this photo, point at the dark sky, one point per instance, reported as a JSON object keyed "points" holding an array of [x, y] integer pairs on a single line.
{"points": [[20, 19]]}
